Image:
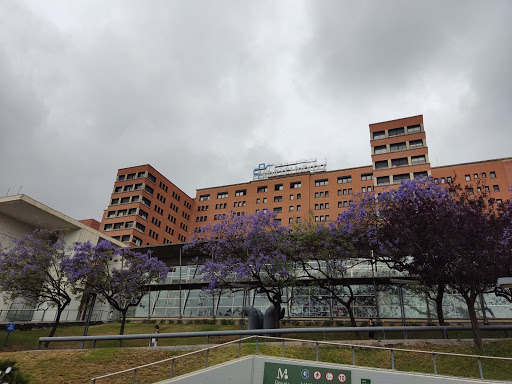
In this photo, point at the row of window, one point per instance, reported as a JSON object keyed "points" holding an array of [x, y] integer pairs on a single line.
{"points": [[321, 194], [171, 218], [174, 207], [153, 234], [158, 210], [395, 147], [400, 162], [156, 222], [161, 198], [169, 230], [322, 206], [201, 208], [181, 238], [397, 132], [163, 186], [176, 196], [184, 227], [128, 188], [185, 215], [492, 174], [201, 218], [397, 179], [126, 212], [126, 239], [138, 175]]}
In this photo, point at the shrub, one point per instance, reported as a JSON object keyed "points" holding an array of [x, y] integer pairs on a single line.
{"points": [[162, 321], [179, 321]]}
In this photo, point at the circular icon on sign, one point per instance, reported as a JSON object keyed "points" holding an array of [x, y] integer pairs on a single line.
{"points": [[304, 373], [317, 375], [342, 378], [329, 376]]}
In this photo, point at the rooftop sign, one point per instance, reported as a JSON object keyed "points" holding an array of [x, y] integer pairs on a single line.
{"points": [[265, 171]]}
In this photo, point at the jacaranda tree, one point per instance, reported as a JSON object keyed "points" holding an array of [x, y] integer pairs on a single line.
{"points": [[322, 257], [120, 276], [445, 235], [248, 250], [31, 269]]}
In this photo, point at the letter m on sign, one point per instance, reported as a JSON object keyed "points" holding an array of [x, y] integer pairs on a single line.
{"points": [[282, 374]]}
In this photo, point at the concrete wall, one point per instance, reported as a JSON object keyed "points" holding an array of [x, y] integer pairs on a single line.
{"points": [[249, 370]]}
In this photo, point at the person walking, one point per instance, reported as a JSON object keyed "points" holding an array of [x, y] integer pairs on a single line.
{"points": [[154, 341], [371, 334]]}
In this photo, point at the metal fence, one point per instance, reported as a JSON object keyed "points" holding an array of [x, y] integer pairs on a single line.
{"points": [[49, 315], [318, 344]]}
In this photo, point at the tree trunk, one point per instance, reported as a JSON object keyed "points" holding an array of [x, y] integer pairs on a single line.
{"points": [[123, 322], [277, 314], [352, 318], [439, 303], [55, 324], [475, 327]]}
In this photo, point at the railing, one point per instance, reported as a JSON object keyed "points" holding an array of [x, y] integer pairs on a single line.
{"points": [[353, 348], [259, 332]]}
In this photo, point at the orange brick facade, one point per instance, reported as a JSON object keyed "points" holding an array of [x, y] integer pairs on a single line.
{"points": [[146, 208], [399, 151]]}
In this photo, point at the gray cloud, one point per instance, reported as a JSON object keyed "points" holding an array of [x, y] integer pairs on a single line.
{"points": [[204, 91]]}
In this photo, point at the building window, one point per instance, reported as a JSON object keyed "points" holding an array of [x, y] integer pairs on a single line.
{"points": [[264, 200], [107, 227], [467, 177], [363, 189], [278, 209], [125, 200], [369, 189], [115, 201], [290, 208], [148, 189], [128, 224], [136, 240], [299, 196], [297, 220], [241, 192], [379, 149], [118, 226], [125, 238], [143, 214], [151, 178], [403, 161], [298, 207], [290, 220], [204, 197], [397, 147], [111, 214], [383, 180], [484, 175], [449, 179], [291, 197], [135, 199], [321, 182], [496, 188], [398, 178], [396, 132], [121, 178], [383, 164], [316, 206], [278, 199], [487, 188], [366, 176], [131, 176], [379, 135], [420, 175], [146, 202], [413, 144], [262, 189], [418, 160], [475, 176], [493, 174], [499, 201], [470, 191], [327, 218], [222, 195], [344, 179], [118, 189], [295, 184], [121, 212], [258, 200], [413, 128], [278, 187]]}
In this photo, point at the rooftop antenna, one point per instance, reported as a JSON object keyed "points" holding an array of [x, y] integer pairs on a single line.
{"points": [[20, 189], [8, 191]]}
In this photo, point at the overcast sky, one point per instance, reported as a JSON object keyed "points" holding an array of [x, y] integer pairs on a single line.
{"points": [[204, 91]]}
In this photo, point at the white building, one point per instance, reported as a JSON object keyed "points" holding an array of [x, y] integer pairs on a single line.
{"points": [[20, 215]]}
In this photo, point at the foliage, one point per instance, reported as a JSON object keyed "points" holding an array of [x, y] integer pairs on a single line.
{"points": [[119, 276], [249, 250], [31, 269], [444, 235]]}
